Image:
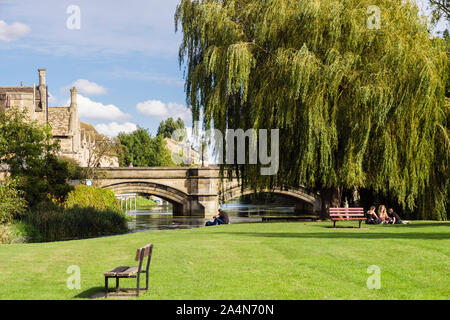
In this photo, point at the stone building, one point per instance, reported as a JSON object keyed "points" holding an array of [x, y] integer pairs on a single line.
{"points": [[188, 154], [75, 143]]}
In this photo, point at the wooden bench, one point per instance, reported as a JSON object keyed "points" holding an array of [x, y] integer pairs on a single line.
{"points": [[347, 214], [131, 272]]}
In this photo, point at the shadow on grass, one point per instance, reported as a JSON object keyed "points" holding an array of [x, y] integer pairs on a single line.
{"points": [[99, 293], [346, 235], [92, 293]]}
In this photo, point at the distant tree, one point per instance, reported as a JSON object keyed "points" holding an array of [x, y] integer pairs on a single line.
{"points": [[100, 148], [167, 127], [141, 150]]}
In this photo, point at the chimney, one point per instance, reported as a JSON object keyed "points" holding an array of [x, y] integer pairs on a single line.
{"points": [[42, 77], [73, 97], [42, 107], [74, 121]]}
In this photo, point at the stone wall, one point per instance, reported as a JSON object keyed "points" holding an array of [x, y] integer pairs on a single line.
{"points": [[58, 118], [64, 128]]}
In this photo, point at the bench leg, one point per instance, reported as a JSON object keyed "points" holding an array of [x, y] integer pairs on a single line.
{"points": [[117, 285], [138, 281], [334, 224], [360, 223], [106, 287]]}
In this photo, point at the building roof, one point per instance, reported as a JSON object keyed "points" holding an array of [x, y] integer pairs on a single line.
{"points": [[4, 90]]}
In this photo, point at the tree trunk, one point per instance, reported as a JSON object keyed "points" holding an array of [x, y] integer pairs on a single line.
{"points": [[331, 198]]}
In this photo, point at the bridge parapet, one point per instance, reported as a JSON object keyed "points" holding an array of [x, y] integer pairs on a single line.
{"points": [[192, 191]]}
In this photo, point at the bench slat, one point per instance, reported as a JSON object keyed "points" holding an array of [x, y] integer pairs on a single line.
{"points": [[351, 208], [146, 249], [344, 219], [349, 211], [138, 254], [347, 214], [122, 272]]}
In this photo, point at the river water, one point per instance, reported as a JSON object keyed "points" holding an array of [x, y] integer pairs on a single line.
{"points": [[161, 218]]}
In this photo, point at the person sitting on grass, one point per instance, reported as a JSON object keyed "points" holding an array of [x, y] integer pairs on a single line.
{"points": [[395, 217], [372, 217], [221, 218], [382, 214]]}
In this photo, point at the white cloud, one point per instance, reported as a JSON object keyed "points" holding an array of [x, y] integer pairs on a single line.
{"points": [[113, 129], [159, 109], [52, 99], [13, 32], [88, 88], [88, 109], [107, 27]]}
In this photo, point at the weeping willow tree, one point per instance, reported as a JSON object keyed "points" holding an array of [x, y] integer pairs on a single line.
{"points": [[358, 104]]}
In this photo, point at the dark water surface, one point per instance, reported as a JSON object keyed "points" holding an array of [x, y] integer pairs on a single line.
{"points": [[161, 218]]}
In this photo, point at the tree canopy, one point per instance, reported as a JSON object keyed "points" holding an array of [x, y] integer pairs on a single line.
{"points": [[30, 154], [167, 127], [142, 150], [358, 105]]}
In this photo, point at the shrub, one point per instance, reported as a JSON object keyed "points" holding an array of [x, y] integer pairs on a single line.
{"points": [[17, 232], [75, 223], [5, 233], [12, 203], [90, 197]]}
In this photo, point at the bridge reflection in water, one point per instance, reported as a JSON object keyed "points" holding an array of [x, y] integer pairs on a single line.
{"points": [[161, 217]]}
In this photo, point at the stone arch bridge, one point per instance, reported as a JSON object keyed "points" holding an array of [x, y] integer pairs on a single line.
{"points": [[192, 191]]}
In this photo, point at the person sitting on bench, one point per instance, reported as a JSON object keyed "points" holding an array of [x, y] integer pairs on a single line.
{"points": [[221, 218]]}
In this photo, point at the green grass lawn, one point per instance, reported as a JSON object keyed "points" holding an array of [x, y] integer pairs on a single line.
{"points": [[144, 203], [246, 261]]}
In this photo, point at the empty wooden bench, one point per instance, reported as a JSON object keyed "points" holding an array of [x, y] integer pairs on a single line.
{"points": [[347, 214], [131, 272]]}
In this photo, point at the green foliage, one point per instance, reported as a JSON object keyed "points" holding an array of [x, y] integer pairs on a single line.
{"points": [[74, 171], [447, 43], [439, 9], [167, 127], [17, 232], [356, 107], [12, 203], [6, 234], [75, 223], [90, 197], [29, 152], [140, 149]]}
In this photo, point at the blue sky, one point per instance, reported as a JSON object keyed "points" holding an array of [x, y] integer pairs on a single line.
{"points": [[123, 59], [124, 55]]}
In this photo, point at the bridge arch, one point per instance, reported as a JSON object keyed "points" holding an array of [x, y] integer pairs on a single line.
{"points": [[303, 200], [183, 203]]}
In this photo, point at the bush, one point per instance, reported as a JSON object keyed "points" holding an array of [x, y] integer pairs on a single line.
{"points": [[90, 197], [17, 232], [75, 223], [12, 203], [5, 233]]}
